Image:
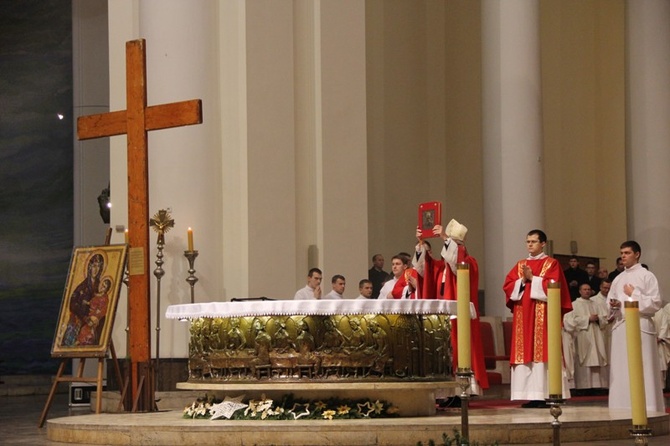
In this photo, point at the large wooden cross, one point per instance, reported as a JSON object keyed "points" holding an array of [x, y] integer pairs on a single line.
{"points": [[136, 121]]}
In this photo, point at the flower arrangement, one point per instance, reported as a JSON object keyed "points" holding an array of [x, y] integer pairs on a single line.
{"points": [[289, 408]]}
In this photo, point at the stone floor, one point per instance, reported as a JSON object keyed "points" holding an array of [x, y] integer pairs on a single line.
{"points": [[19, 417]]}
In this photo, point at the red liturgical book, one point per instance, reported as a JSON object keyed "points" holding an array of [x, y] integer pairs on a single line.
{"points": [[430, 214]]}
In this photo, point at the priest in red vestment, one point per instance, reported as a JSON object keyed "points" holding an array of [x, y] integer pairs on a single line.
{"points": [[407, 286], [437, 280], [526, 292]]}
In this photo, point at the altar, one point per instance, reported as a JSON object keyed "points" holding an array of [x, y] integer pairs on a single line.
{"points": [[386, 349]]}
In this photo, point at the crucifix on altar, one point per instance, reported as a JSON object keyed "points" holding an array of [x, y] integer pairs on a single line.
{"points": [[135, 122]]}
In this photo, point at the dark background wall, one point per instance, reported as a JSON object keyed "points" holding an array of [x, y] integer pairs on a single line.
{"points": [[36, 171]]}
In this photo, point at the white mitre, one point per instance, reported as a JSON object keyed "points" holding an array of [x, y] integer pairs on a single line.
{"points": [[456, 231]]}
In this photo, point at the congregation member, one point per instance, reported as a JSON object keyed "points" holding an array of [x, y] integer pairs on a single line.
{"points": [[377, 275], [586, 323], [603, 273], [312, 290], [637, 284], [338, 284], [437, 280], [365, 289], [399, 264], [575, 276], [592, 277], [525, 289], [619, 268]]}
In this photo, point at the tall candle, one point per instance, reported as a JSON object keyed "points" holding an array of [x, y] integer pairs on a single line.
{"points": [[554, 338], [463, 315], [634, 347], [127, 237], [190, 239]]}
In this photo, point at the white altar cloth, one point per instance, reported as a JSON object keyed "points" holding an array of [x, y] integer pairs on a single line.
{"points": [[312, 308]]}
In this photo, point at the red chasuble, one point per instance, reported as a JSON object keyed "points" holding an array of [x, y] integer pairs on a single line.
{"points": [[399, 287], [439, 282], [529, 323]]}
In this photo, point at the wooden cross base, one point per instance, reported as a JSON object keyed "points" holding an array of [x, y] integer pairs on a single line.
{"points": [[81, 378]]}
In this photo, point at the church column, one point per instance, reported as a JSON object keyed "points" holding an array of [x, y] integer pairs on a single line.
{"points": [[512, 138], [335, 138], [258, 148], [648, 132], [184, 173]]}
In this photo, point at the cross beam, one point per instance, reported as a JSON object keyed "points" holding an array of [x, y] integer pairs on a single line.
{"points": [[135, 122]]}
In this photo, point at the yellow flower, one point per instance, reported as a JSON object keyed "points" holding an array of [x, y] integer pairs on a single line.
{"points": [[328, 414], [343, 410], [320, 405], [379, 407]]}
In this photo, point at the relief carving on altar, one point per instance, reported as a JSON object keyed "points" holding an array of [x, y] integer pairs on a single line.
{"points": [[339, 347]]}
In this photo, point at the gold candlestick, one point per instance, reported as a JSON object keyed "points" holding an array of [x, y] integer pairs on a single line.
{"points": [[191, 279], [161, 222]]}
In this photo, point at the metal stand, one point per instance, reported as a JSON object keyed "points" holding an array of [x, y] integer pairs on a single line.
{"points": [[464, 378], [161, 222], [191, 279], [640, 435], [554, 402], [159, 273]]}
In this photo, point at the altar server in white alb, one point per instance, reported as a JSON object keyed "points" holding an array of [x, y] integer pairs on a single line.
{"points": [[634, 283], [312, 290], [586, 323]]}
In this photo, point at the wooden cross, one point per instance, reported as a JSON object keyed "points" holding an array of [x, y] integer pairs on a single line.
{"points": [[135, 122]]}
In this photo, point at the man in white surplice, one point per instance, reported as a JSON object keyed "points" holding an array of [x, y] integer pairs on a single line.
{"points": [[586, 323], [634, 283]]}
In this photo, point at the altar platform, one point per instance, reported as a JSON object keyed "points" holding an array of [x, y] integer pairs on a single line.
{"points": [[492, 419]]}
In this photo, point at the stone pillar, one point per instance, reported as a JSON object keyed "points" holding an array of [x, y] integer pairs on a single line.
{"points": [[512, 138], [184, 162], [648, 132]]}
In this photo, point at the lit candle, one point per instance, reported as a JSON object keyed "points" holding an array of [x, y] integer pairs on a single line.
{"points": [[634, 347], [464, 360], [127, 236], [554, 338], [190, 239]]}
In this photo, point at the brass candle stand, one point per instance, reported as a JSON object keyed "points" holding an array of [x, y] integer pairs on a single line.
{"points": [[161, 222], [191, 279], [640, 434], [158, 273], [554, 402], [464, 379]]}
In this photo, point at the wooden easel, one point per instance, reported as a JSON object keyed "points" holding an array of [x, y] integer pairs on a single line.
{"points": [[79, 377]]}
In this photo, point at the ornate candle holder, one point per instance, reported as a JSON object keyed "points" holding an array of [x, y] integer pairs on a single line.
{"points": [[191, 279], [464, 378], [554, 402], [158, 273], [640, 435], [161, 222]]}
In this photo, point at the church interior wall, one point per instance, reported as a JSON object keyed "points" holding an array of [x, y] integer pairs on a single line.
{"points": [[423, 108], [392, 117], [584, 121]]}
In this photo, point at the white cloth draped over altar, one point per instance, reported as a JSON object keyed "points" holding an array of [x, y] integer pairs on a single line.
{"points": [[311, 308]]}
